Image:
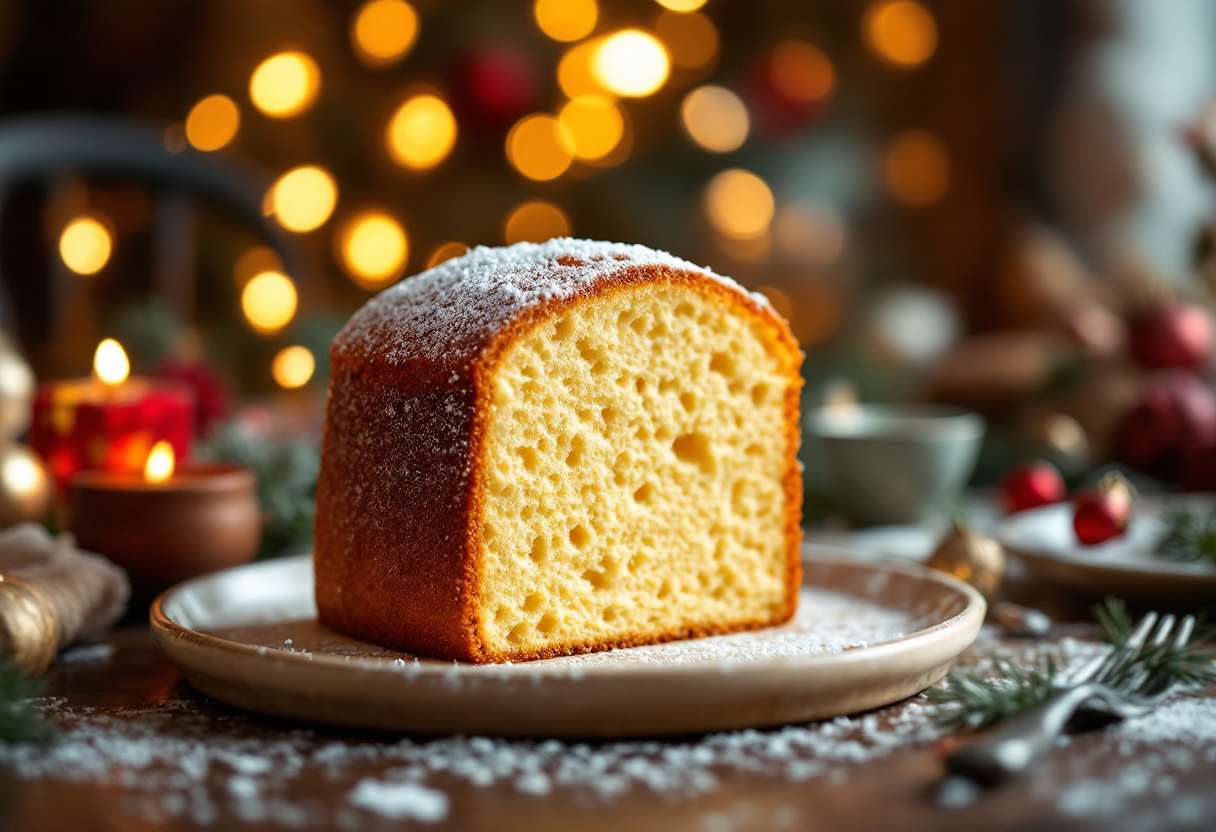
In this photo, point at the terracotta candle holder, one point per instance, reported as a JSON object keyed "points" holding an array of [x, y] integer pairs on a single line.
{"points": [[202, 518]]}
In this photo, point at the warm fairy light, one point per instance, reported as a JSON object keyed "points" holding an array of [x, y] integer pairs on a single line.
{"points": [[691, 38], [255, 261], [374, 249], [595, 124], [535, 222], [445, 252], [715, 118], [110, 363], [566, 20], [574, 71], [681, 5], [21, 474], [285, 85], [85, 245], [422, 132], [540, 147], [383, 31], [293, 367], [160, 464], [632, 63], [901, 32], [269, 301], [739, 204], [917, 168], [304, 198], [213, 122], [801, 72]]}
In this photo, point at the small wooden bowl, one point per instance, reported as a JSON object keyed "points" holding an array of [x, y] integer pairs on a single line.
{"points": [[205, 518]]}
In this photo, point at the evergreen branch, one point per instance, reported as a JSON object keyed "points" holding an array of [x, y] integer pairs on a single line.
{"points": [[970, 699], [1190, 535], [19, 722]]}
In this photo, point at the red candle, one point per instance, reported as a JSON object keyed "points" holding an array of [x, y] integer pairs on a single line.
{"points": [[110, 421]]}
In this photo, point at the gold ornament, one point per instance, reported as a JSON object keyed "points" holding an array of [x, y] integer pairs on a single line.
{"points": [[16, 391], [972, 557], [25, 488]]}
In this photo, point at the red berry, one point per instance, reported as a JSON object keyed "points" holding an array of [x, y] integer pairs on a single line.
{"points": [[1102, 512], [1030, 485], [1174, 335]]}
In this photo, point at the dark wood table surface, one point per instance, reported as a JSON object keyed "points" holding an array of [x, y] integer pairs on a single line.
{"points": [[1092, 783]]}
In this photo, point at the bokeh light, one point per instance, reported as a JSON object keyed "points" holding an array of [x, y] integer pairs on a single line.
{"points": [[110, 363], [254, 262], [373, 249], [691, 38], [681, 5], [631, 63], [285, 85], [594, 123], [304, 198], [422, 132], [574, 70], [293, 366], [801, 72], [779, 299], [917, 168], [383, 31], [85, 245], [566, 20], [809, 232], [901, 32], [540, 147], [213, 122], [739, 204], [160, 463], [445, 252], [269, 301], [535, 222], [715, 118]]}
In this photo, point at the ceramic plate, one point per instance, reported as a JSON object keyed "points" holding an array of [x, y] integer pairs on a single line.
{"points": [[1127, 566], [865, 635]]}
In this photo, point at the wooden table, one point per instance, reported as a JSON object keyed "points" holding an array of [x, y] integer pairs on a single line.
{"points": [[1087, 785]]}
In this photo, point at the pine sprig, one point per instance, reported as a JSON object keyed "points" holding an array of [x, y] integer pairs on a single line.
{"points": [[1158, 667], [1190, 535], [972, 699], [19, 722]]}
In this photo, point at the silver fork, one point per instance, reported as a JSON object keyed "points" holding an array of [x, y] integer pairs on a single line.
{"points": [[1110, 685]]}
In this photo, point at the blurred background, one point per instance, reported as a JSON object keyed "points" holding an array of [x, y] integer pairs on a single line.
{"points": [[1000, 205]]}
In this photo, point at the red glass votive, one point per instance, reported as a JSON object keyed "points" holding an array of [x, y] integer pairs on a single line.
{"points": [[82, 425]]}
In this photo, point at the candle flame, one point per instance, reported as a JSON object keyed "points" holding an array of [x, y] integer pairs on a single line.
{"points": [[161, 461], [110, 363]]}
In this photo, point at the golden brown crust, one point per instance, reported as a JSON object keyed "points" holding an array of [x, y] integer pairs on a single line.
{"points": [[399, 498]]}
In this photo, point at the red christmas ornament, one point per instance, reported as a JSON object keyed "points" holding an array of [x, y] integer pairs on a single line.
{"points": [[1175, 335], [1104, 511], [499, 83], [1030, 485], [1174, 418]]}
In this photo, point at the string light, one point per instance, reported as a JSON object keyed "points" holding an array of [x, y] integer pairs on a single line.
{"points": [[566, 20], [160, 464], [631, 63], [535, 222], [917, 168], [901, 32], [691, 38], [292, 367], [540, 147], [801, 72], [110, 363], [574, 71], [269, 302], [374, 249], [595, 125], [445, 252], [384, 31], [422, 132], [255, 261], [85, 245], [681, 5], [739, 204], [715, 118], [304, 198], [285, 85], [213, 122]]}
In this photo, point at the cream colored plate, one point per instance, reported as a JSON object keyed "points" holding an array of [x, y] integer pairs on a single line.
{"points": [[1126, 566], [866, 635]]}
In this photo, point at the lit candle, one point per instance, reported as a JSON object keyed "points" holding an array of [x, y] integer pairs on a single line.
{"points": [[110, 421]]}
